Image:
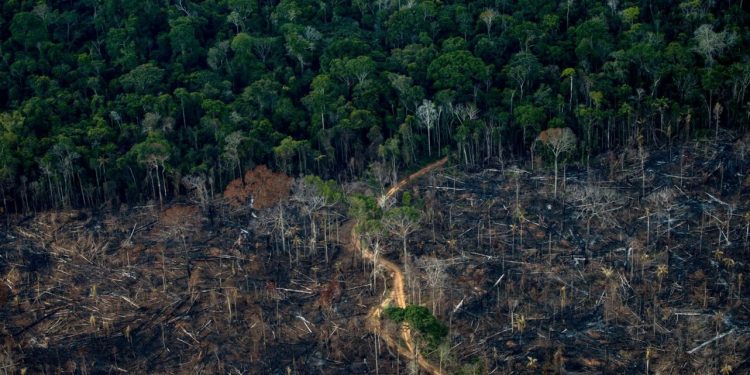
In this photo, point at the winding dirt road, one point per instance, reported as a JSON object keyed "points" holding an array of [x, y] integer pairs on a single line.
{"points": [[397, 293]]}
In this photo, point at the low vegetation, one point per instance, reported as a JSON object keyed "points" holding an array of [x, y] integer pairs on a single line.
{"points": [[420, 319]]}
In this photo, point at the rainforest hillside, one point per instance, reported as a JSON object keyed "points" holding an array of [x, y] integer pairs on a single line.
{"points": [[105, 102]]}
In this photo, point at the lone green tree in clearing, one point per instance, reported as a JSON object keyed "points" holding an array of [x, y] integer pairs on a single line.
{"points": [[420, 319], [558, 140]]}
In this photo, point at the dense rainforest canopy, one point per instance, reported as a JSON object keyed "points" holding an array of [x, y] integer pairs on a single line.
{"points": [[112, 101]]}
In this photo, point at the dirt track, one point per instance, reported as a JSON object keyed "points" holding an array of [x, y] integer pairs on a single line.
{"points": [[397, 293]]}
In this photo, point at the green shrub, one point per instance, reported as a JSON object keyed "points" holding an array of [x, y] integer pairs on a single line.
{"points": [[420, 319]]}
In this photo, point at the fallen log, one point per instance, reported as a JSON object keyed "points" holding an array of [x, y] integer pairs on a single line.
{"points": [[295, 290], [717, 337], [36, 322]]}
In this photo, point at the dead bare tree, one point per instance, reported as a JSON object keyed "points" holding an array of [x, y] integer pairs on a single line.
{"points": [[311, 201], [723, 226], [371, 231], [516, 174], [435, 275], [428, 114], [381, 173], [196, 185], [177, 223], [642, 155], [276, 220], [595, 202], [402, 221], [231, 150], [559, 141], [661, 205], [610, 297]]}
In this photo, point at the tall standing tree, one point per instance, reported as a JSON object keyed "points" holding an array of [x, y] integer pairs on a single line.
{"points": [[232, 149], [360, 67], [522, 70], [710, 43], [153, 154], [311, 200], [570, 74], [143, 79], [488, 17], [185, 45], [428, 114], [28, 29], [402, 221], [559, 141], [457, 70], [7, 171]]}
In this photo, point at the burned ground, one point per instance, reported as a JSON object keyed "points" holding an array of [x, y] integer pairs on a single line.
{"points": [[627, 269], [161, 291]]}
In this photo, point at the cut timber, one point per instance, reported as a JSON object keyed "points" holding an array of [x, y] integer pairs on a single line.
{"points": [[295, 290], [498, 280], [445, 188], [306, 322], [717, 337]]}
